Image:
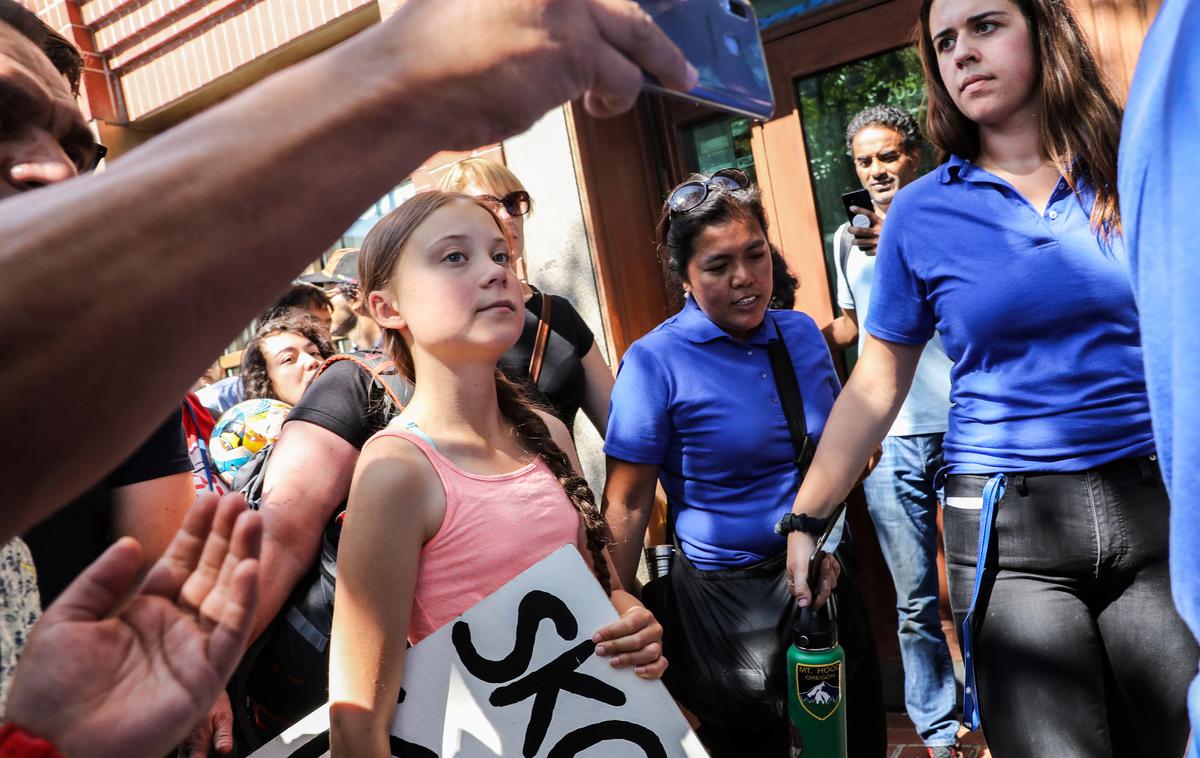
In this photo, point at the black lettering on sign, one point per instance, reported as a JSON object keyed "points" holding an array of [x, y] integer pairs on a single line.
{"points": [[534, 607], [584, 737], [544, 684], [405, 749]]}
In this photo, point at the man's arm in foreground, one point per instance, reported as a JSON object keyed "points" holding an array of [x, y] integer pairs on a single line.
{"points": [[201, 225]]}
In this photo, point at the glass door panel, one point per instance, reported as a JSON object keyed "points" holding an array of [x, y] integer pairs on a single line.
{"points": [[722, 142]]}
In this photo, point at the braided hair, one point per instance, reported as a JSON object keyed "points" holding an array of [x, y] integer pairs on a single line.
{"points": [[377, 262], [519, 409]]}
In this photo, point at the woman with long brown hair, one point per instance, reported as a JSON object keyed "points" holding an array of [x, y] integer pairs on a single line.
{"points": [[469, 485], [1055, 512], [570, 373]]}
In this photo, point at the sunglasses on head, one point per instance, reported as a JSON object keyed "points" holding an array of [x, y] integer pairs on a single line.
{"points": [[688, 195], [514, 203]]}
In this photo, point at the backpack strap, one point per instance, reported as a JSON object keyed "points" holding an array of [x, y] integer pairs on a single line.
{"points": [[380, 372], [791, 400], [847, 240], [539, 342]]}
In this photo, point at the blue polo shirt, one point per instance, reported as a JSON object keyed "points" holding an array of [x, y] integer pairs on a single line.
{"points": [[1036, 312], [704, 408]]}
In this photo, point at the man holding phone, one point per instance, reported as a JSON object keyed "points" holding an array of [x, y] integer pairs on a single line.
{"points": [[884, 143]]}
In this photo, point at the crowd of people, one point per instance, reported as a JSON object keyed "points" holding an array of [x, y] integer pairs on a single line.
{"points": [[427, 455]]}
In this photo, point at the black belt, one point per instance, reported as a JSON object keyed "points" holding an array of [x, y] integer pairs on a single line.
{"points": [[971, 485]]}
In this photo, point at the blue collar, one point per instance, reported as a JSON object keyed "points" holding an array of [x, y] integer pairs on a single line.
{"points": [[699, 328], [960, 168]]}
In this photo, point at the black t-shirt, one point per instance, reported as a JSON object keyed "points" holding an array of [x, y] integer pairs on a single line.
{"points": [[563, 383], [341, 400], [64, 544]]}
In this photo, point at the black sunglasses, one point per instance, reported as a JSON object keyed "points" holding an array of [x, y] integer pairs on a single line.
{"points": [[515, 203], [688, 195]]}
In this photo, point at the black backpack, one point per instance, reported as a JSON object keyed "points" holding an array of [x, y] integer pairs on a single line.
{"points": [[387, 387], [288, 666]]}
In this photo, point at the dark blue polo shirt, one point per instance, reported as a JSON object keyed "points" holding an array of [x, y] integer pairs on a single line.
{"points": [[704, 408], [1036, 312]]}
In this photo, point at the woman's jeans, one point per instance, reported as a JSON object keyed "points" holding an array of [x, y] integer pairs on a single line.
{"points": [[1079, 650]]}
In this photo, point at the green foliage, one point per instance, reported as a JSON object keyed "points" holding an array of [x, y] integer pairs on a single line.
{"points": [[830, 99]]}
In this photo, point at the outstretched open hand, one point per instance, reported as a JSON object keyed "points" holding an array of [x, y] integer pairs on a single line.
{"points": [[104, 675]]}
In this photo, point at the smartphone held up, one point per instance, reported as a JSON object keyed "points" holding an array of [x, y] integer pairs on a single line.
{"points": [[720, 38], [859, 198]]}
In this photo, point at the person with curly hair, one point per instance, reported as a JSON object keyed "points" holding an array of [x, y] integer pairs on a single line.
{"points": [[284, 356]]}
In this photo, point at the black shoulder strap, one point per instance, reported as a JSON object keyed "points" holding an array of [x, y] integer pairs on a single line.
{"points": [[790, 399]]}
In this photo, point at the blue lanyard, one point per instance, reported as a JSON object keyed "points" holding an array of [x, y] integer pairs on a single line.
{"points": [[993, 491]]}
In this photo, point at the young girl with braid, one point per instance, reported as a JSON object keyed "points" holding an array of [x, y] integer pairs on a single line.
{"points": [[465, 489]]}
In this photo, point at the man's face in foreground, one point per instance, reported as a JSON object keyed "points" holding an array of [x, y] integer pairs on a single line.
{"points": [[43, 137]]}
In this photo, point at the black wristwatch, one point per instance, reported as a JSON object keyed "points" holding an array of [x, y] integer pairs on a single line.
{"points": [[801, 522]]}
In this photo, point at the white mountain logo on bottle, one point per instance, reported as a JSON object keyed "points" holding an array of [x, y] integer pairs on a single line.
{"points": [[819, 688], [823, 694]]}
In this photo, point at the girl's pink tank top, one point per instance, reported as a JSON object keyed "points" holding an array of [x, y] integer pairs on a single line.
{"points": [[495, 527]]}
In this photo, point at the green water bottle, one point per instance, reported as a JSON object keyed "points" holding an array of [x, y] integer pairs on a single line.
{"points": [[816, 681]]}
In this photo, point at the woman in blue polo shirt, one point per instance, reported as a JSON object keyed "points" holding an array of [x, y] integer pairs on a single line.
{"points": [[1011, 250], [696, 407]]}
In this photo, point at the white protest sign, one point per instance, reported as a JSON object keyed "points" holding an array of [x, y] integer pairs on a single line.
{"points": [[516, 676]]}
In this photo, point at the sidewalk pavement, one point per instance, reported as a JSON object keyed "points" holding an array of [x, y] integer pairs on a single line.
{"points": [[903, 741]]}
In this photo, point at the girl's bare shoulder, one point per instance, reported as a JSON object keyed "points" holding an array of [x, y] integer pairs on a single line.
{"points": [[394, 474]]}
